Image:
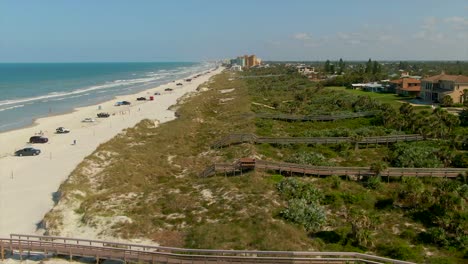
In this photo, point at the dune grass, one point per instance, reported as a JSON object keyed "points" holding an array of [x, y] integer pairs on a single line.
{"points": [[150, 175]]}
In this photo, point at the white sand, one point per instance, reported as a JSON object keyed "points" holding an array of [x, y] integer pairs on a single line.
{"points": [[28, 183]]}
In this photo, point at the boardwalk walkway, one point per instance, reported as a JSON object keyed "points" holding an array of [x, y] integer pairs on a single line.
{"points": [[287, 117], [102, 250], [232, 139], [245, 164]]}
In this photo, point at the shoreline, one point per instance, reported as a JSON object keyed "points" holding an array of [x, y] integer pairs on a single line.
{"points": [[34, 121], [28, 184]]}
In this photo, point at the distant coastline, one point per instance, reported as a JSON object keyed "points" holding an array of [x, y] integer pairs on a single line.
{"points": [[49, 89]]}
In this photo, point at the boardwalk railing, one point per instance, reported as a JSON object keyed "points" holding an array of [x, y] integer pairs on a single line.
{"points": [[102, 250], [346, 171], [252, 138], [314, 117]]}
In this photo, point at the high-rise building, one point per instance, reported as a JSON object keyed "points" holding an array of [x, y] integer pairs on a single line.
{"points": [[246, 61], [250, 61]]}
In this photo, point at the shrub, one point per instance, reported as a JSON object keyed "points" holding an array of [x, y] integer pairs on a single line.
{"points": [[434, 235], [447, 101], [386, 203], [291, 188], [463, 116], [373, 182], [310, 215], [335, 181], [310, 158], [329, 236], [288, 187], [399, 250], [409, 155], [408, 234]]}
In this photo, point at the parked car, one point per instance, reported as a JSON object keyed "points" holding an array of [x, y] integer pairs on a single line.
{"points": [[168, 89], [122, 103], [27, 152], [179, 84], [38, 139], [103, 115], [88, 120], [188, 80], [62, 130], [141, 98], [157, 93]]}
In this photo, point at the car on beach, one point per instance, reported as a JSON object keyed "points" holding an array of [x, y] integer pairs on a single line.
{"points": [[157, 93], [179, 84], [88, 120], [27, 152], [38, 139], [141, 99], [62, 130], [103, 115], [188, 80], [122, 103], [168, 89]]}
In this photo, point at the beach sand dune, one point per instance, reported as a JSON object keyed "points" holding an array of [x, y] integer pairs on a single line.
{"points": [[28, 184]]}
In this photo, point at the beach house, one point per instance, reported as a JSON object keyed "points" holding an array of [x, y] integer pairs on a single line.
{"points": [[434, 88], [407, 86]]}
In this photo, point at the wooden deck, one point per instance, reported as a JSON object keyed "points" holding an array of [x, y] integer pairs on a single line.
{"points": [[239, 138], [102, 250], [238, 167]]}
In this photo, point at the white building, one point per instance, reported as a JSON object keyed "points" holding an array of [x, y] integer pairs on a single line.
{"points": [[236, 67]]}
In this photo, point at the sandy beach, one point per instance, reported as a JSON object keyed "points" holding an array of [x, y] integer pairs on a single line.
{"points": [[28, 184]]}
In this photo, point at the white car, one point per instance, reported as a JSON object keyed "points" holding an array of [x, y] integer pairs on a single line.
{"points": [[88, 120], [62, 130]]}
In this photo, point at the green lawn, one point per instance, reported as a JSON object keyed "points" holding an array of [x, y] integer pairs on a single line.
{"points": [[389, 98]]}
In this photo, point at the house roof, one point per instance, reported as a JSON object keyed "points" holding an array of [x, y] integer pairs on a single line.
{"points": [[447, 77], [405, 81], [411, 80]]}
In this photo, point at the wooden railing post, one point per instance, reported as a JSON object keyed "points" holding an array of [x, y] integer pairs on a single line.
{"points": [[2, 251]]}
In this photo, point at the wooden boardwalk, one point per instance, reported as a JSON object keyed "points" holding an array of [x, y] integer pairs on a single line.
{"points": [[282, 167], [336, 117], [133, 253], [239, 138]]}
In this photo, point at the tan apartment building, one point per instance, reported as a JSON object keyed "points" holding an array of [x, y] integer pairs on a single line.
{"points": [[407, 86], [251, 61], [434, 88]]}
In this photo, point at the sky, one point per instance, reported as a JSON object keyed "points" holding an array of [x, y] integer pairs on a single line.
{"points": [[199, 30]]}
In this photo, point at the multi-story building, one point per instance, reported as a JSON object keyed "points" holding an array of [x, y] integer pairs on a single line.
{"points": [[246, 61], [407, 86], [434, 88], [238, 61], [250, 61]]}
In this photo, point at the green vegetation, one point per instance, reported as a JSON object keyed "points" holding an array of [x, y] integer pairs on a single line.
{"points": [[149, 174]]}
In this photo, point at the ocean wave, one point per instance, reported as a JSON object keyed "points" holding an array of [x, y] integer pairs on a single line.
{"points": [[173, 73], [109, 85], [11, 107]]}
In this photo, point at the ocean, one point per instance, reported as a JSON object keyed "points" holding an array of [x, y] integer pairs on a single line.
{"points": [[32, 90]]}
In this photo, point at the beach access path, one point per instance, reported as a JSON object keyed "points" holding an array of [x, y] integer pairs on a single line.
{"points": [[28, 184]]}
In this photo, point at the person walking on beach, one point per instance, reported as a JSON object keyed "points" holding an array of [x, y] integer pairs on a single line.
{"points": [[74, 142]]}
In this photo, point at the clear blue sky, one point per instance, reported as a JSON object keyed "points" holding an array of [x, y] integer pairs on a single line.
{"points": [[176, 30]]}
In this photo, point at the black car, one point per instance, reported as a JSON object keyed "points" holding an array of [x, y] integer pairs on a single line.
{"points": [[28, 152], [141, 98], [103, 115], [125, 103], [168, 89], [179, 84], [38, 139]]}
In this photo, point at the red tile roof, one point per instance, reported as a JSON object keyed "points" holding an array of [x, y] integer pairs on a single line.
{"points": [[447, 77]]}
